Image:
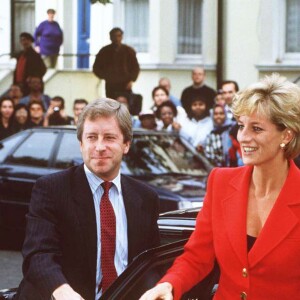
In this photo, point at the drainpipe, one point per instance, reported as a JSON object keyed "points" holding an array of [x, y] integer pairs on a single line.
{"points": [[220, 33]]}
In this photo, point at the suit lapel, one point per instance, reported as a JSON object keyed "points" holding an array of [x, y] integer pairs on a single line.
{"points": [[132, 202], [235, 211], [85, 209], [282, 219]]}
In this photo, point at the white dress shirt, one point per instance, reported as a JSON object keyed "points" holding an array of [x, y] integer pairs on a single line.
{"points": [[116, 199]]}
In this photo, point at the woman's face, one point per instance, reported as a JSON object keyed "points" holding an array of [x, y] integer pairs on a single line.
{"points": [[198, 109], [166, 115], [259, 139], [21, 115], [219, 116], [160, 96], [7, 109]]}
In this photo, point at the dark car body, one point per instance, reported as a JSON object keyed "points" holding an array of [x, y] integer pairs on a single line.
{"points": [[162, 160], [147, 268]]}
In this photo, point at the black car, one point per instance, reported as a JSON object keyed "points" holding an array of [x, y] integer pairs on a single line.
{"points": [[147, 268], [162, 160]]}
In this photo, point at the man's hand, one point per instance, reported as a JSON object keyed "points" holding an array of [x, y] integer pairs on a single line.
{"points": [[65, 292], [162, 291]]}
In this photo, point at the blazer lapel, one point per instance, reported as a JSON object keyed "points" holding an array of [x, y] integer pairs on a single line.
{"points": [[85, 210], [284, 216], [132, 202], [235, 211]]}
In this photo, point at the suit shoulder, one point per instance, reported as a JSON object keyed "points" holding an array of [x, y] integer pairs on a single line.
{"points": [[228, 173], [137, 185], [59, 178]]}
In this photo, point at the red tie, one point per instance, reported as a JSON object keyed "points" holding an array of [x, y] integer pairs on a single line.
{"points": [[108, 238]]}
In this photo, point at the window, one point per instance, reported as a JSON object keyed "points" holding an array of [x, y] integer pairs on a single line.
{"points": [[292, 44], [189, 27], [23, 19], [136, 24], [69, 152], [35, 150]]}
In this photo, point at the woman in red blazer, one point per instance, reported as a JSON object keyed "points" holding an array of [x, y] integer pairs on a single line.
{"points": [[250, 221]]}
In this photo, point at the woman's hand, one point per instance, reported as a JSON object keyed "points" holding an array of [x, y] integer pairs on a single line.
{"points": [[162, 291]]}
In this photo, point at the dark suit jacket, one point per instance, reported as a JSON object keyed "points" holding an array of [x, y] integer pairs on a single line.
{"points": [[61, 235], [271, 269]]}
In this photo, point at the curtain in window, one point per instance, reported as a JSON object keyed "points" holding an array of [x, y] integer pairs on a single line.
{"points": [[189, 27], [292, 26], [136, 23], [24, 20]]}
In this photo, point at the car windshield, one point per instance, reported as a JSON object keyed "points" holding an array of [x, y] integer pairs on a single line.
{"points": [[161, 154]]}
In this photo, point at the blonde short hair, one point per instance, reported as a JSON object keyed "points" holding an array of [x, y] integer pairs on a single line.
{"points": [[106, 107], [277, 99]]}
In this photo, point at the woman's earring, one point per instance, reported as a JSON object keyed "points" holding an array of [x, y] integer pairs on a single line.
{"points": [[282, 145]]}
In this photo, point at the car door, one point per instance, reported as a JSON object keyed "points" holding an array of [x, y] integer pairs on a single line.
{"points": [[27, 161], [146, 270]]}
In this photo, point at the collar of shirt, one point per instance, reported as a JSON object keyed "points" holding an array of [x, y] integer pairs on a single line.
{"points": [[95, 181]]}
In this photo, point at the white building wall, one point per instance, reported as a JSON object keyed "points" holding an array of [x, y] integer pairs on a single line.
{"points": [[241, 41]]}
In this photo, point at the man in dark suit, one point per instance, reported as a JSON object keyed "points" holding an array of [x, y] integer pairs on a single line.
{"points": [[64, 249]]}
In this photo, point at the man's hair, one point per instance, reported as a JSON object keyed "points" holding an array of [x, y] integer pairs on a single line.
{"points": [[236, 86], [276, 99], [51, 11], [115, 29], [27, 36], [80, 101], [59, 99], [40, 103], [105, 107]]}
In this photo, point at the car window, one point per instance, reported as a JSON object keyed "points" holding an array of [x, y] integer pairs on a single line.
{"points": [[8, 144], [35, 150], [69, 152], [161, 154]]}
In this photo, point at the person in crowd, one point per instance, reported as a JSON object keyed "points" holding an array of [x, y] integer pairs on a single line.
{"points": [[36, 114], [6, 117], [198, 89], [220, 99], [21, 117], [167, 112], [15, 93], [56, 114], [166, 83], [249, 222], [218, 142], [117, 65], [199, 123], [78, 106], [124, 98], [29, 63], [161, 95], [147, 120], [36, 92], [87, 223], [229, 89], [48, 39]]}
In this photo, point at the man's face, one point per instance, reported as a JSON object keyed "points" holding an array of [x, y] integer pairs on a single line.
{"points": [[25, 43], [102, 146], [78, 108], [166, 84], [198, 76], [36, 111], [228, 92], [116, 38], [35, 84], [198, 109]]}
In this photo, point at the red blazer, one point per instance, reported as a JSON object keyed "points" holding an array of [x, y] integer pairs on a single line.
{"points": [[271, 270]]}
